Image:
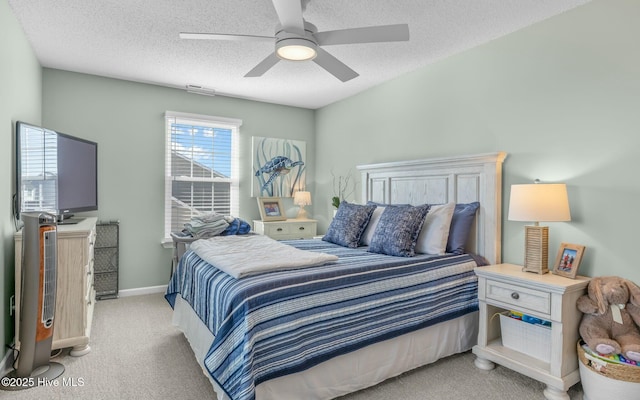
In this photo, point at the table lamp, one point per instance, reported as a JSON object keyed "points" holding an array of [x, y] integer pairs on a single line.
{"points": [[302, 199], [538, 202]]}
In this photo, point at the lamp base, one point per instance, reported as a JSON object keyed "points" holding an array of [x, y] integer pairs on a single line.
{"points": [[302, 213], [536, 253]]}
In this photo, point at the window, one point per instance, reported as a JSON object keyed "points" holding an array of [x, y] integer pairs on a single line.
{"points": [[37, 169], [201, 168]]}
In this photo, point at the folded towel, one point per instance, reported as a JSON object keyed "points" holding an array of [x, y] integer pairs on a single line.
{"points": [[206, 225]]}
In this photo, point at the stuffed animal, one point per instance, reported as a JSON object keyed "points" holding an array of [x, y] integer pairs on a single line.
{"points": [[611, 317]]}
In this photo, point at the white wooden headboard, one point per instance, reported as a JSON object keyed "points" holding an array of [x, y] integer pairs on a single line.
{"points": [[460, 179]]}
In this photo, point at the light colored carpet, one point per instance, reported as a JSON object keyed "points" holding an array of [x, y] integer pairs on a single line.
{"points": [[137, 354]]}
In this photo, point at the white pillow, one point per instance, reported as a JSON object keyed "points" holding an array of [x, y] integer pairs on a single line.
{"points": [[365, 239], [435, 230]]}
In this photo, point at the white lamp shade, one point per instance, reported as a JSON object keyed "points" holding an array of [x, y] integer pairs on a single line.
{"points": [[539, 202], [302, 198]]}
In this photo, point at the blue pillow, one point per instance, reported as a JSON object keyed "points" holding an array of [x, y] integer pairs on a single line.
{"points": [[398, 230], [461, 222], [348, 224]]}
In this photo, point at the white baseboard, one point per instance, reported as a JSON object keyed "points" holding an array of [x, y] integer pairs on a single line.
{"points": [[142, 291]]}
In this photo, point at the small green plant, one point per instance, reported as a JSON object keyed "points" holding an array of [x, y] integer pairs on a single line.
{"points": [[335, 201], [343, 187]]}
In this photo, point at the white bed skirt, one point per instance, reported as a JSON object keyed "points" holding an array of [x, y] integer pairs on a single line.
{"points": [[349, 372]]}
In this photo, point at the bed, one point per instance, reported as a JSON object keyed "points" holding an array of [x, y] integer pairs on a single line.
{"points": [[371, 336]]}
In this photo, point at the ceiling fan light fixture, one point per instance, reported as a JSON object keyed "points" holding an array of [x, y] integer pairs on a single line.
{"points": [[296, 49]]}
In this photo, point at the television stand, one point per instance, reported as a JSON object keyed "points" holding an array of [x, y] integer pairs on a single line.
{"points": [[66, 219], [70, 221]]}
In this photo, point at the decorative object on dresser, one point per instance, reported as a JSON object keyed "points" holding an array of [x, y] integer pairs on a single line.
{"points": [[302, 199], [552, 298], [535, 203], [288, 229], [271, 209], [75, 295], [105, 280], [568, 260], [343, 187]]}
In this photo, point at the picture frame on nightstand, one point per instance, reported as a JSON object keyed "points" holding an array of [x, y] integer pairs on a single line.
{"points": [[271, 209], [568, 260]]}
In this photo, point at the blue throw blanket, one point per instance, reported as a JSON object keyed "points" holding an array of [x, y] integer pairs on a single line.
{"points": [[237, 227], [278, 323]]}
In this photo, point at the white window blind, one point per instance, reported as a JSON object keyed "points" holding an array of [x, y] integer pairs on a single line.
{"points": [[38, 169], [201, 167]]}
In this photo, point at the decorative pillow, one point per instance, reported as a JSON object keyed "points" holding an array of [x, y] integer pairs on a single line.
{"points": [[398, 230], [365, 240], [348, 224], [435, 231], [463, 217]]}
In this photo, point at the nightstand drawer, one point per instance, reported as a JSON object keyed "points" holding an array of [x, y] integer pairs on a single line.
{"points": [[519, 296], [275, 229]]}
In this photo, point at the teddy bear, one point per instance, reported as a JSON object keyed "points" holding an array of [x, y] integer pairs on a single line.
{"points": [[611, 317]]}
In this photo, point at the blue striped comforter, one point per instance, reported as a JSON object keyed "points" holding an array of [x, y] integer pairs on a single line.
{"points": [[278, 323]]}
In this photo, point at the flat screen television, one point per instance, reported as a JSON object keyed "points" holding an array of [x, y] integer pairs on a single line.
{"points": [[55, 172]]}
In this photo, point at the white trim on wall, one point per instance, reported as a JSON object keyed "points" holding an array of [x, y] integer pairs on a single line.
{"points": [[142, 291]]}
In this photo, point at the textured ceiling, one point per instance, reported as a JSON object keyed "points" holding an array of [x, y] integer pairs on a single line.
{"points": [[137, 40]]}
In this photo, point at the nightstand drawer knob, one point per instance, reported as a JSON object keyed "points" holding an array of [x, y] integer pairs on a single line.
{"points": [[301, 228], [515, 296], [279, 229]]}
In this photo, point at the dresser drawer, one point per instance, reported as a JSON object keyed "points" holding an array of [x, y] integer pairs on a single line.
{"points": [[519, 296], [275, 230], [287, 230], [303, 229]]}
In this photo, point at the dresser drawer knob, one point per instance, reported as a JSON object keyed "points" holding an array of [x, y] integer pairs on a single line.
{"points": [[301, 228], [279, 229], [515, 296]]}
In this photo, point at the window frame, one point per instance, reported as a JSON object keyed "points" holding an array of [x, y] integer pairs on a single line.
{"points": [[215, 122]]}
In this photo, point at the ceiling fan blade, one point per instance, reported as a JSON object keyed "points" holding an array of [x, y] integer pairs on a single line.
{"points": [[290, 15], [372, 34], [263, 66], [224, 36], [334, 66]]}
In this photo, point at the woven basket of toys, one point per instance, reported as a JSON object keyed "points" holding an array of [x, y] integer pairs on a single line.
{"points": [[607, 378], [610, 367]]}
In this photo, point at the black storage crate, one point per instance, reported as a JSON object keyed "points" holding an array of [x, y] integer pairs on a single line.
{"points": [[105, 267]]}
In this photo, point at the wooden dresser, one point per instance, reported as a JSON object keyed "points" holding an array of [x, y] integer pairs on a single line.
{"points": [[75, 295], [287, 230]]}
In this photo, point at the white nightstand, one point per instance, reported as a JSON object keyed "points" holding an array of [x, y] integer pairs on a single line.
{"points": [[289, 229], [550, 297]]}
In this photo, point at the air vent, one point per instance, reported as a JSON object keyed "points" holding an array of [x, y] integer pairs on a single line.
{"points": [[201, 90]]}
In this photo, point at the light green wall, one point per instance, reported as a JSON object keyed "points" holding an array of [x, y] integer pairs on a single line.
{"points": [[20, 99], [560, 97], [127, 121]]}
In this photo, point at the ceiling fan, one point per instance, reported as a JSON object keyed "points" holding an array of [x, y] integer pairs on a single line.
{"points": [[298, 40]]}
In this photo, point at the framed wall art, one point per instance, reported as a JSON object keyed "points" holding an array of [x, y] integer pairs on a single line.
{"points": [[278, 167]]}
